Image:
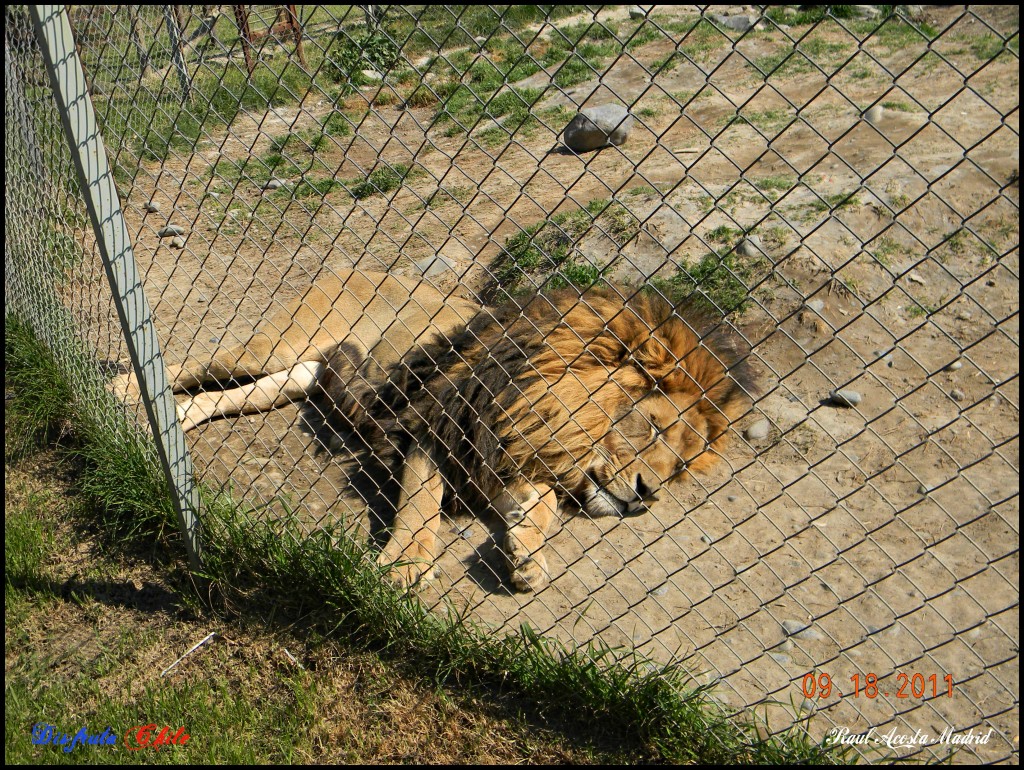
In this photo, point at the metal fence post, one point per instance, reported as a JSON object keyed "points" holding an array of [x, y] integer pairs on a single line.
{"points": [[96, 181]]}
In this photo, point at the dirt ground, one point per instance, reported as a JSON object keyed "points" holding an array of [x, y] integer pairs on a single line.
{"points": [[890, 530]]}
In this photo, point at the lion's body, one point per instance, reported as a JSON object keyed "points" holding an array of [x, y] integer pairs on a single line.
{"points": [[575, 397], [589, 399], [375, 318]]}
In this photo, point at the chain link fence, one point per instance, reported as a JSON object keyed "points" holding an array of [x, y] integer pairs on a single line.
{"points": [[837, 185]]}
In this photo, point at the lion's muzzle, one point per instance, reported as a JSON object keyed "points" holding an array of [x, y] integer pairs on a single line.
{"points": [[618, 498]]}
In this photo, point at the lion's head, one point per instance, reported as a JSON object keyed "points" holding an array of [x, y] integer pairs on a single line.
{"points": [[604, 400]]}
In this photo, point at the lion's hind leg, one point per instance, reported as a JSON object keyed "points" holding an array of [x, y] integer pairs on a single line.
{"points": [[529, 510], [409, 554], [260, 396]]}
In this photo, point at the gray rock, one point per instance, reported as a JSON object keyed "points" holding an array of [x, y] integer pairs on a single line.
{"points": [[274, 184], [809, 634], [595, 127], [780, 657], [957, 395], [170, 231], [177, 242], [817, 305], [922, 489], [151, 207], [954, 366], [793, 627], [867, 11], [874, 114], [739, 22], [845, 397], [372, 75], [758, 430], [750, 247], [637, 12]]}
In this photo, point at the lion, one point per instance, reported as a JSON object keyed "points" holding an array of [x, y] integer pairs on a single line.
{"points": [[370, 319], [564, 397]]}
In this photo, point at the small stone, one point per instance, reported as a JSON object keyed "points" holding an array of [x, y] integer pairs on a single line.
{"points": [[922, 489], [467, 533], [758, 430], [637, 12], [872, 629], [750, 247], [884, 355], [151, 207], [963, 315], [705, 539], [372, 75], [914, 277], [787, 644], [956, 394], [845, 397], [779, 657], [817, 305], [274, 184], [990, 282], [810, 634], [793, 627], [732, 498], [170, 230], [874, 115], [596, 127], [661, 590], [177, 242], [955, 366]]}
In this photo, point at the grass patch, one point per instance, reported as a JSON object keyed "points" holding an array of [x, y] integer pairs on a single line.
{"points": [[381, 181], [775, 184], [717, 283], [547, 252]]}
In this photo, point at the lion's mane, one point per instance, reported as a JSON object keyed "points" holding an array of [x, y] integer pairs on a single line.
{"points": [[520, 392]]}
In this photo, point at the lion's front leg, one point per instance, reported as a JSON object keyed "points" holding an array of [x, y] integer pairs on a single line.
{"points": [[529, 511], [410, 551]]}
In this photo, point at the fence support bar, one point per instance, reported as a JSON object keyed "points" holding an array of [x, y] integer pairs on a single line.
{"points": [[78, 119]]}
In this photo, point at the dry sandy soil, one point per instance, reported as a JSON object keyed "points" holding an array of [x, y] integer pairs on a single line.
{"points": [[889, 529]]}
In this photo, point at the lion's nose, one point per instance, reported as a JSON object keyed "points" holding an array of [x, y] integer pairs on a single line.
{"points": [[644, 490]]}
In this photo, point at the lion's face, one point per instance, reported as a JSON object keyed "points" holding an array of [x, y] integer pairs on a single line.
{"points": [[649, 444]]}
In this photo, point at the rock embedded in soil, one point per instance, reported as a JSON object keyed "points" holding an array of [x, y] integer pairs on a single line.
{"points": [[874, 115], [794, 627], [750, 247], [170, 231], [596, 127], [844, 397], [739, 22], [758, 430]]}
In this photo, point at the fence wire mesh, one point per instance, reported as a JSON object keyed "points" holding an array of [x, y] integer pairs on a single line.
{"points": [[836, 185]]}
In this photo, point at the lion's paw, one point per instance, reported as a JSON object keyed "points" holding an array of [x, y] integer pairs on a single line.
{"points": [[408, 573], [530, 574]]}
